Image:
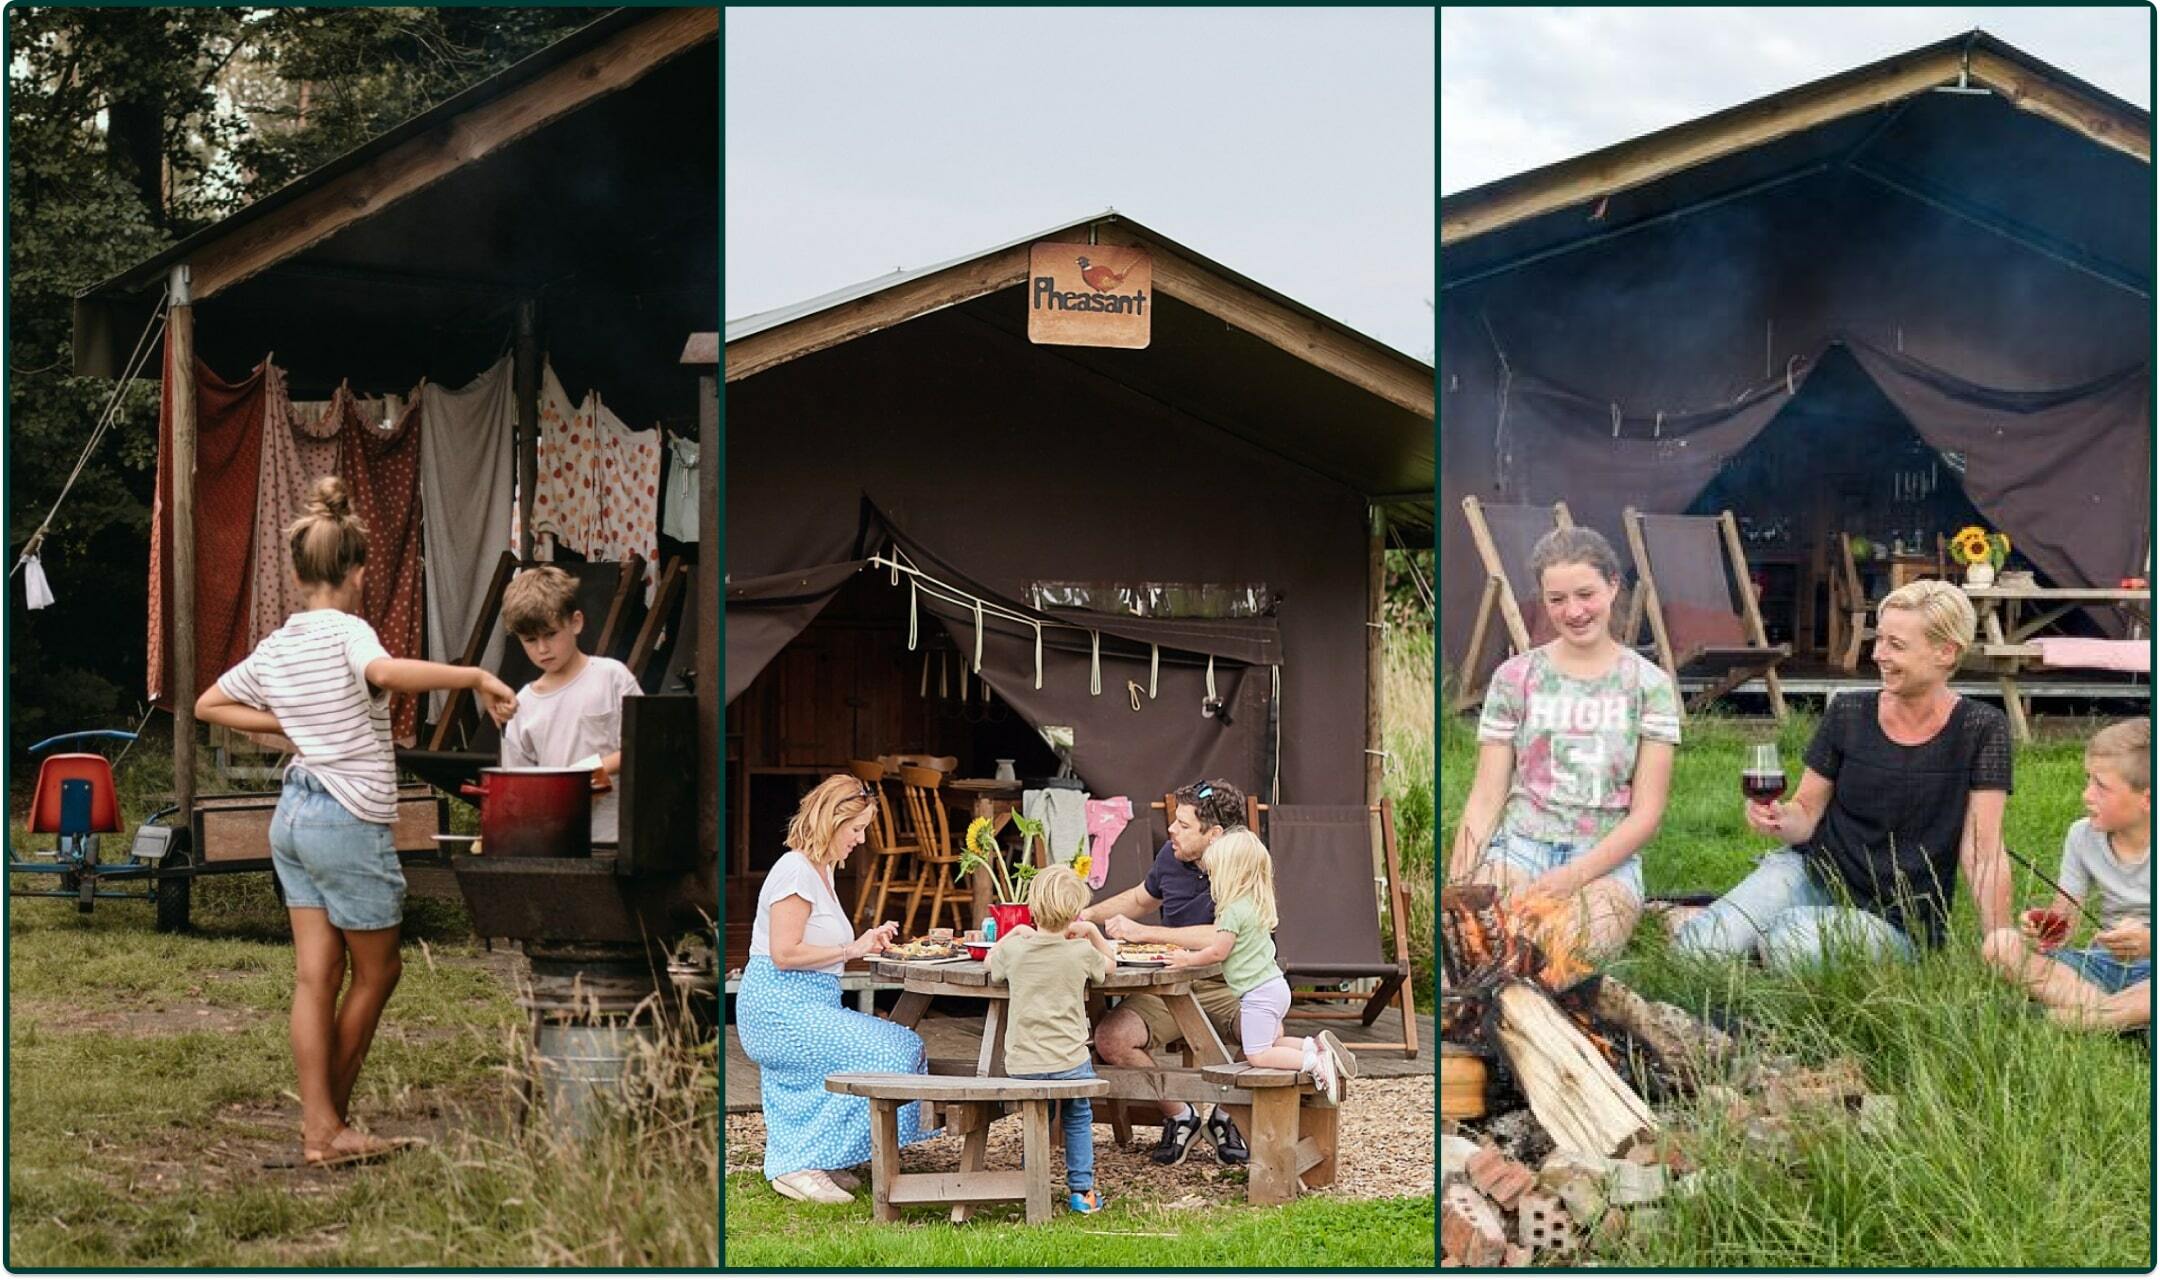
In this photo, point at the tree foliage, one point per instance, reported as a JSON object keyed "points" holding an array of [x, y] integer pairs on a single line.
{"points": [[128, 129]]}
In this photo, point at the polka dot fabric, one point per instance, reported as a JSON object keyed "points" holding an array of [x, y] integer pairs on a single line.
{"points": [[382, 469], [564, 503], [627, 522], [793, 1026]]}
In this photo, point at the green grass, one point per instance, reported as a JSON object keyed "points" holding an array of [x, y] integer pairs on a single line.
{"points": [[1316, 1232], [149, 1077], [2017, 1144]]}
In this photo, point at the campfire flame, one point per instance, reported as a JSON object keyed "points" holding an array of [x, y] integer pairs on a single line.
{"points": [[1487, 941]]}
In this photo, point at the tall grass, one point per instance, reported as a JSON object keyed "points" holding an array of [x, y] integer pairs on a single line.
{"points": [[1406, 734], [2015, 1144]]}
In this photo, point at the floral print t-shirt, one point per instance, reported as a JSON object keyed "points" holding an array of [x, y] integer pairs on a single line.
{"points": [[1575, 741]]}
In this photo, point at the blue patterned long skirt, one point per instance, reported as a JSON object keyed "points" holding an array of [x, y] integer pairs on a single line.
{"points": [[793, 1026]]}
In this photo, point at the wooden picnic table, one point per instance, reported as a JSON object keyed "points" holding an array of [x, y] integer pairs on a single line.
{"points": [[2007, 631], [1293, 1146]]}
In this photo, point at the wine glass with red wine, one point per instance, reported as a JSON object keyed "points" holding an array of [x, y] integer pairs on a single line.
{"points": [[1763, 779]]}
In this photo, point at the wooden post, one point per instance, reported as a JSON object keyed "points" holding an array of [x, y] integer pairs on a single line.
{"points": [[527, 375], [1375, 651], [180, 613], [710, 600]]}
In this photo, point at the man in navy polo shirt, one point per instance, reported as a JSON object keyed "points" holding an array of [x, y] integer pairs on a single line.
{"points": [[1177, 887]]}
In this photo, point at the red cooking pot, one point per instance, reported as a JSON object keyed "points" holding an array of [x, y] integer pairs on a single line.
{"points": [[534, 813]]}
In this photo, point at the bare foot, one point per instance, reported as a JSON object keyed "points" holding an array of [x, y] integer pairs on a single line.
{"points": [[1674, 917], [351, 1146]]}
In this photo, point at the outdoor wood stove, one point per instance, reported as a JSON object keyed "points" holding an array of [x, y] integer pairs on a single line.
{"points": [[598, 930]]}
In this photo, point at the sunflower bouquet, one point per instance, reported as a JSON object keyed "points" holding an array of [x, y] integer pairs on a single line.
{"points": [[1973, 545], [980, 851]]}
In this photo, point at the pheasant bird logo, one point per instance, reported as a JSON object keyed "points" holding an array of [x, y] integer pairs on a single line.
{"points": [[1101, 278]]}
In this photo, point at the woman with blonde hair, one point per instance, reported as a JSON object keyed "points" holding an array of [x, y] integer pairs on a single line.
{"points": [[788, 1013], [1904, 789]]}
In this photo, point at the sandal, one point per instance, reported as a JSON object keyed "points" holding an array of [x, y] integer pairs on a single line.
{"points": [[351, 1146], [812, 1185]]}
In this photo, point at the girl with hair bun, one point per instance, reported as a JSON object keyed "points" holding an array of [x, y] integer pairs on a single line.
{"points": [[324, 681]]}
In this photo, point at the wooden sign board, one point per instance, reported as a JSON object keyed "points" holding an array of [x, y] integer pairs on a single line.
{"points": [[1090, 295]]}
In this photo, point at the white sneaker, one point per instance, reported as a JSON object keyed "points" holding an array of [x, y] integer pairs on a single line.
{"points": [[1324, 1075], [1345, 1061], [812, 1185]]}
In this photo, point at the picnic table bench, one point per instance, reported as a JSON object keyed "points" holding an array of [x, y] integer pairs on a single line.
{"points": [[974, 1183], [2007, 633], [1270, 1106]]}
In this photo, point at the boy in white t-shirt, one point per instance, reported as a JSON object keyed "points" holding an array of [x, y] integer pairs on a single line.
{"points": [[571, 715]]}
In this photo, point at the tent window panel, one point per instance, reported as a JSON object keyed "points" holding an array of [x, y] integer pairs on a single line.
{"points": [[1158, 599]]}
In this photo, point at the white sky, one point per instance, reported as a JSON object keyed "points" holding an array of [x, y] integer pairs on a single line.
{"points": [[1294, 146], [1521, 88]]}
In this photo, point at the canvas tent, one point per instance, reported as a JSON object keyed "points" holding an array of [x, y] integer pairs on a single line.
{"points": [[1254, 448], [567, 206], [1962, 235]]}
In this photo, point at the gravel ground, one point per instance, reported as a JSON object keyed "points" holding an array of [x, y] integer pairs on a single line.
{"points": [[1385, 1148]]}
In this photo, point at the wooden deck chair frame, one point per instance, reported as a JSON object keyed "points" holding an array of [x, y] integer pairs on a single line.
{"points": [[459, 708], [1497, 599], [673, 575], [1850, 608], [1394, 988], [1759, 660]]}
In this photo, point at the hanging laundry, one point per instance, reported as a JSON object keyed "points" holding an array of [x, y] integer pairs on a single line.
{"points": [[300, 445], [679, 509], [229, 420], [627, 484], [1106, 821], [564, 501], [34, 584], [467, 487], [1063, 814], [382, 469]]}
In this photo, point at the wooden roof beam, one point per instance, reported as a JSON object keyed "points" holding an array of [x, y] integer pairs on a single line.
{"points": [[1645, 160], [1318, 344], [880, 310], [2030, 91], [421, 161]]}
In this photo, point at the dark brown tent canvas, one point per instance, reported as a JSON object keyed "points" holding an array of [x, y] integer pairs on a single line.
{"points": [[1618, 345]]}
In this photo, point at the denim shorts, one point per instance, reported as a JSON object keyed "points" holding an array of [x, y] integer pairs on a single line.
{"points": [[1536, 857], [327, 857], [2103, 970]]}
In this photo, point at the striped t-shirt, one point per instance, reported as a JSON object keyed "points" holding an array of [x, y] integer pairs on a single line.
{"points": [[311, 674]]}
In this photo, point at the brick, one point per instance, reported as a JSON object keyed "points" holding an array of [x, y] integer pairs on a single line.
{"points": [[1517, 1256], [1541, 1223], [1470, 1227], [1455, 1153], [1500, 1177], [1634, 1184]]}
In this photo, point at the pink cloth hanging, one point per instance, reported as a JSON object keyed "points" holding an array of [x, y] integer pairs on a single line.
{"points": [[300, 445], [626, 516], [1106, 821], [565, 503]]}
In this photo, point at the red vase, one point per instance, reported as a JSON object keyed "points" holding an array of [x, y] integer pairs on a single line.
{"points": [[1008, 914]]}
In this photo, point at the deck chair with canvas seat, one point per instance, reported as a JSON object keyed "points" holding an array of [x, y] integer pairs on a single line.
{"points": [[464, 741], [1504, 535], [1694, 589], [1330, 901]]}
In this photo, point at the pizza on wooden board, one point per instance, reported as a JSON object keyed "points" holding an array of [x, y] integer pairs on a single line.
{"points": [[924, 949]]}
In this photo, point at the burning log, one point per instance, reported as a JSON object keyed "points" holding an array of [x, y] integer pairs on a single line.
{"points": [[1574, 1092], [1682, 1046]]}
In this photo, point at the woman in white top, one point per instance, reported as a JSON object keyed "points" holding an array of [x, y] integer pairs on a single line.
{"points": [[788, 1012]]}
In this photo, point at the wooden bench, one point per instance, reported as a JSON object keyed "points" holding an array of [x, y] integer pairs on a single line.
{"points": [[1289, 1126], [973, 1184]]}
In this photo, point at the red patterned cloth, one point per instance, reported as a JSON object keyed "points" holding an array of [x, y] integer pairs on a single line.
{"points": [[382, 471], [229, 431], [564, 502]]}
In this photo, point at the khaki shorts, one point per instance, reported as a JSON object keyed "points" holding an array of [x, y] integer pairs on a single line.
{"points": [[1215, 999]]}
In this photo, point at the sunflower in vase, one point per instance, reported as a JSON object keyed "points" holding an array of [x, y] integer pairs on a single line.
{"points": [[1981, 552]]}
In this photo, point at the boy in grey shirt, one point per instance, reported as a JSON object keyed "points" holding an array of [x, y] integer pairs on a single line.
{"points": [[2106, 871]]}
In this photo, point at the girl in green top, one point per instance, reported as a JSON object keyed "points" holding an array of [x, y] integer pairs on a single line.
{"points": [[1241, 879]]}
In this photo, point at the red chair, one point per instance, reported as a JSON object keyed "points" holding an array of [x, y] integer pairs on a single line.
{"points": [[75, 796]]}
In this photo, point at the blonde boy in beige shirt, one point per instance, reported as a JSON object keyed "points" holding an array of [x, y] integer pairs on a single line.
{"points": [[1047, 969]]}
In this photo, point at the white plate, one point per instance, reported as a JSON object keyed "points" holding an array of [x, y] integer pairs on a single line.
{"points": [[941, 960]]}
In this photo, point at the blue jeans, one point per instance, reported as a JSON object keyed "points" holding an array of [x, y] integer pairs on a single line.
{"points": [[2103, 970], [326, 856], [1079, 1116], [1536, 857], [1780, 914]]}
